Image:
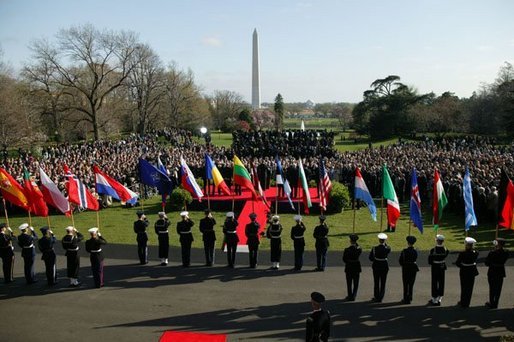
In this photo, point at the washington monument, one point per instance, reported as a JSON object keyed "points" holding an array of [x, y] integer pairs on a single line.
{"points": [[256, 88]]}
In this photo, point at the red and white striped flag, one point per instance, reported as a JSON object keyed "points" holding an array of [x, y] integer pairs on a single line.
{"points": [[325, 185]]}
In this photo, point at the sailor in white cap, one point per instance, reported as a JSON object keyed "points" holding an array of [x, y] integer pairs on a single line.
{"points": [[274, 233], [140, 226], [252, 239], [437, 262], [496, 262], [94, 248], [380, 267], [26, 241], [231, 238], [467, 262], [161, 229], [7, 252], [46, 246], [185, 237], [407, 260], [70, 243], [297, 235]]}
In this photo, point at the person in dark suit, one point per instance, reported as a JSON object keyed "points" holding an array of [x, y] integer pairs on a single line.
{"points": [[352, 268], [274, 233], [208, 236], [46, 246], [7, 252], [28, 252], [297, 235], [161, 229], [437, 262], [380, 267], [140, 226], [320, 234], [70, 243], [231, 238], [252, 239], [408, 258], [318, 322], [496, 262], [186, 237], [467, 262], [96, 257]]}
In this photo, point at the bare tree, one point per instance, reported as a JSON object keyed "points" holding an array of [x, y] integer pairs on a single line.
{"points": [[225, 107]]}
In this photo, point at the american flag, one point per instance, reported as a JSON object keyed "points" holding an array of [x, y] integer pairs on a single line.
{"points": [[325, 185]]}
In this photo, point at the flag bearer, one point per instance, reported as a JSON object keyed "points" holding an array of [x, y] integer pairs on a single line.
{"points": [[318, 322], [94, 248], [380, 267], [274, 233], [437, 262], [496, 262], [252, 239], [208, 236], [26, 241], [231, 238], [46, 246], [186, 237], [320, 234], [140, 226], [161, 229], [467, 262], [297, 235], [407, 260], [70, 243], [352, 268], [7, 252]]}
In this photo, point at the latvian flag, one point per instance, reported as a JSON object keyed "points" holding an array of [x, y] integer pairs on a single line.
{"points": [[78, 193]]}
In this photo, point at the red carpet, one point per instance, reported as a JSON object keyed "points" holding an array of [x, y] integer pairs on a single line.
{"points": [[179, 336]]}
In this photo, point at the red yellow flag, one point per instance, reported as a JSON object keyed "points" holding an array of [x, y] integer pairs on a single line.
{"points": [[12, 190]]}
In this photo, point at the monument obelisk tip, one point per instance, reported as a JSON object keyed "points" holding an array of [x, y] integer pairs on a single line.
{"points": [[256, 89]]}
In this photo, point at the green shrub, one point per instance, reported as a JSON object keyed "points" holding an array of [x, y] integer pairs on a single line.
{"points": [[199, 181], [339, 198], [179, 197], [313, 184]]}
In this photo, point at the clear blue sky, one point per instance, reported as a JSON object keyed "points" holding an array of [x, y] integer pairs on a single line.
{"points": [[325, 50]]}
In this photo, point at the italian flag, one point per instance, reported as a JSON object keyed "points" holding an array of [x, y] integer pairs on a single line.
{"points": [[242, 177], [305, 187], [439, 200], [393, 206]]}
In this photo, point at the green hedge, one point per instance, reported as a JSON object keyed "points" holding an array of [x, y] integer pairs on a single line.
{"points": [[178, 197], [339, 198]]}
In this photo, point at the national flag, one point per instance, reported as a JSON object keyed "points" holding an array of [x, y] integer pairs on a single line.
{"points": [[37, 205], [302, 179], [362, 193], [506, 202], [257, 184], [12, 191], [470, 219], [107, 185], [212, 172], [189, 181], [325, 185], [281, 179], [161, 166], [242, 177], [415, 202], [52, 195], [152, 176], [388, 192], [439, 200], [78, 193]]}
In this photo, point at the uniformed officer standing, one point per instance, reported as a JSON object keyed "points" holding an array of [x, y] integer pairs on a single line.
{"points": [[252, 239], [320, 234], [70, 243], [496, 262], [46, 246], [7, 252], [274, 233], [437, 261], [140, 226], [408, 258], [208, 236], [467, 262], [186, 237], [297, 235], [318, 322], [161, 229], [380, 267], [352, 268], [28, 251], [231, 238], [94, 248]]}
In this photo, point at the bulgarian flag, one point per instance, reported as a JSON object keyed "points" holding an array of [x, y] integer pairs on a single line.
{"points": [[393, 206], [305, 186], [439, 200], [242, 177]]}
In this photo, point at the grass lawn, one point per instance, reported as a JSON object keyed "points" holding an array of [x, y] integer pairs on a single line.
{"points": [[116, 226]]}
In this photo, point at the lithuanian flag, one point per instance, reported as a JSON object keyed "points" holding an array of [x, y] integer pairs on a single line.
{"points": [[242, 177], [12, 190]]}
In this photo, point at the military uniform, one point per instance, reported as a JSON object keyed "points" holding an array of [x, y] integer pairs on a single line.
{"points": [[186, 239], [231, 239], [320, 234], [274, 233], [209, 238], [352, 269], [297, 235], [142, 239], [7, 254], [380, 268], [408, 258], [161, 229], [28, 253], [467, 262], [46, 246], [70, 243], [495, 260], [252, 240], [437, 262], [318, 322], [94, 248]]}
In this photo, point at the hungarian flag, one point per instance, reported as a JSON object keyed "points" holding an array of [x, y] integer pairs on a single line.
{"points": [[52, 194], [212, 172], [393, 205], [37, 204], [12, 190], [302, 179], [78, 193], [506, 202], [439, 200], [242, 177]]}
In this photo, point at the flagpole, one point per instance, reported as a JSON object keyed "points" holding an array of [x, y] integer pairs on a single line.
{"points": [[97, 220], [410, 222], [72, 219], [208, 198], [381, 213], [276, 200], [30, 218], [5, 213], [497, 230], [141, 197], [48, 220], [354, 213]]}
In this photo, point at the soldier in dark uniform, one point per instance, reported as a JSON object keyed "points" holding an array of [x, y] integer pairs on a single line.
{"points": [[26, 241], [496, 262], [46, 246], [252, 239], [380, 267], [208, 236], [140, 226], [437, 261], [94, 248], [274, 233], [297, 235], [352, 268], [322, 244], [318, 322], [70, 243], [186, 237], [7, 252], [408, 258], [467, 262], [161, 229], [231, 238]]}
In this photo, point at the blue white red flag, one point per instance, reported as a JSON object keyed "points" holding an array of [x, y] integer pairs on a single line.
{"points": [[189, 181], [362, 193], [107, 185]]}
